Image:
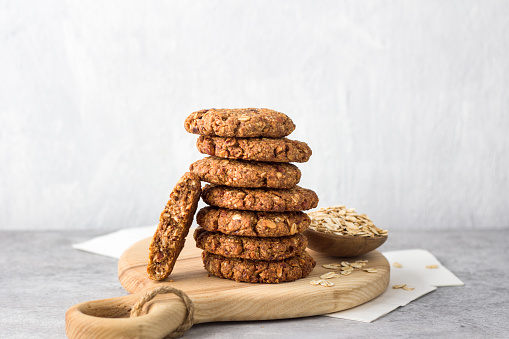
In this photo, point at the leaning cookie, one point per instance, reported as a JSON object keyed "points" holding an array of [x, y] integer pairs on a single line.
{"points": [[174, 223], [255, 149], [252, 224], [239, 173], [231, 246], [240, 122], [259, 199], [259, 271]]}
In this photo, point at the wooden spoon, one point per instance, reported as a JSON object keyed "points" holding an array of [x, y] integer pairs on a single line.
{"points": [[342, 245]]}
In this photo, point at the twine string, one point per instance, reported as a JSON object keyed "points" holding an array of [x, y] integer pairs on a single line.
{"points": [[188, 321]]}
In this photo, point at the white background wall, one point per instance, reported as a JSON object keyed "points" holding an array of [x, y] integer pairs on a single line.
{"points": [[404, 103]]}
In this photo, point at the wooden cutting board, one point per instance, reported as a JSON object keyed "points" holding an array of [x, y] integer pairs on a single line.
{"points": [[218, 299]]}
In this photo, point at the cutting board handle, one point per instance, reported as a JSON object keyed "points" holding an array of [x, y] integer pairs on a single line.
{"points": [[109, 318]]}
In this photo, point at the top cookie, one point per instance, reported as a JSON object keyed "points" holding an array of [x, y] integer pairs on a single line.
{"points": [[239, 122]]}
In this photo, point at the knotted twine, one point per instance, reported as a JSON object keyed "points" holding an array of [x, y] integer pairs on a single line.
{"points": [[188, 321]]}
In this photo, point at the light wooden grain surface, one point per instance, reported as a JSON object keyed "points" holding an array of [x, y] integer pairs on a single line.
{"points": [[218, 299], [226, 300]]}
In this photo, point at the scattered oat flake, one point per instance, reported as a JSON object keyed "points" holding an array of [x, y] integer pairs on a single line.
{"points": [[398, 286], [329, 275], [326, 283], [331, 266], [370, 270], [322, 282], [431, 266], [397, 265], [345, 268], [406, 288]]}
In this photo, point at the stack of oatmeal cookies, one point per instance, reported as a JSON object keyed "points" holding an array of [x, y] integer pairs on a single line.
{"points": [[252, 230]]}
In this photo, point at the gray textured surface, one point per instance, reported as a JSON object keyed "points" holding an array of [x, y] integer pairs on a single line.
{"points": [[403, 103], [41, 276]]}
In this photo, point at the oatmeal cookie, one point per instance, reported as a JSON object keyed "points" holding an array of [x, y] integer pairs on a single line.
{"points": [[231, 246], [255, 149], [239, 122], [260, 199], [173, 227], [239, 173], [259, 271], [252, 224]]}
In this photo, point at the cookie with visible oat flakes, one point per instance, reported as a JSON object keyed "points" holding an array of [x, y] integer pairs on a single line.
{"points": [[252, 224], [255, 149], [231, 246], [240, 173], [239, 122], [174, 223], [259, 271], [260, 199]]}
